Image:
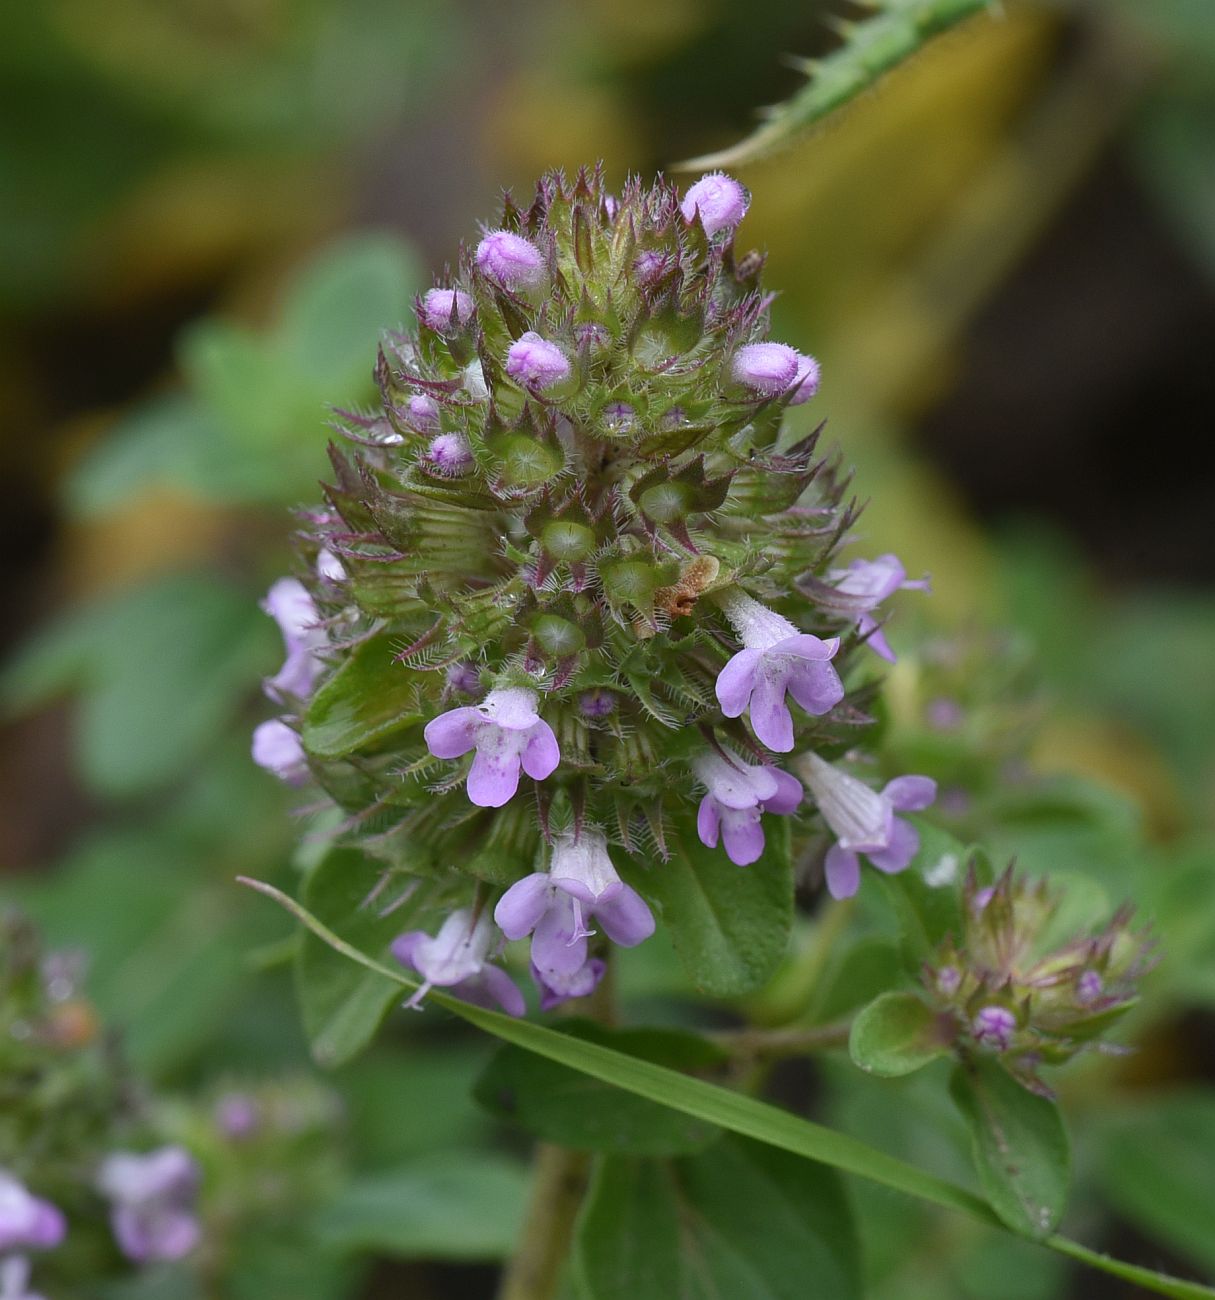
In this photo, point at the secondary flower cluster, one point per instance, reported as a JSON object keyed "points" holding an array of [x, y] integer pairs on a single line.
{"points": [[574, 591], [1007, 991]]}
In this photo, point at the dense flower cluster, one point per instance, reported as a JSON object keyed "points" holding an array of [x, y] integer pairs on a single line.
{"points": [[573, 592], [1004, 988]]}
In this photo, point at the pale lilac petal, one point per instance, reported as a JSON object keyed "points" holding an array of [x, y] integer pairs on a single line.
{"points": [[504, 991], [874, 579], [556, 988], [911, 793], [733, 783], [789, 794], [405, 946], [736, 681], [541, 754], [742, 836], [453, 733], [278, 749], [875, 638], [626, 918], [493, 777], [805, 646], [815, 686], [519, 910], [559, 944], [903, 846], [513, 707], [770, 717], [843, 872], [148, 1232], [708, 821]]}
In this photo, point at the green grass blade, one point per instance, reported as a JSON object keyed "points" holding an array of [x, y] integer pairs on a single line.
{"points": [[734, 1111], [870, 48]]}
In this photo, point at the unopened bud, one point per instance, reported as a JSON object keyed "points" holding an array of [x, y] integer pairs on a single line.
{"points": [[536, 363], [767, 368], [510, 260], [443, 307], [719, 200]]}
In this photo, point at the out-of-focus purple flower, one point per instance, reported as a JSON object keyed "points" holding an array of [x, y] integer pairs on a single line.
{"points": [[510, 260], [737, 795], [806, 379], [994, 1027], [596, 703], [450, 454], [422, 412], [776, 658], [278, 749], [536, 363], [441, 308], [556, 906], [1089, 987], [863, 821], [328, 567], [767, 368], [457, 959], [943, 713], [507, 732], [152, 1200], [871, 582], [463, 678], [291, 607], [237, 1115], [720, 201], [15, 1279], [27, 1222]]}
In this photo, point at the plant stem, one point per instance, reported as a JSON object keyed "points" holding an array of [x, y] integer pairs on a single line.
{"points": [[777, 1044], [560, 1182]]}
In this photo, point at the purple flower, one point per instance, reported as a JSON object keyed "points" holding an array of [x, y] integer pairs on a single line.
{"points": [[441, 305], [863, 821], [994, 1027], [15, 1279], [1089, 987], [152, 1200], [555, 907], [237, 1115], [718, 199], [278, 749], [737, 796], [767, 368], [510, 260], [26, 1220], [807, 378], [328, 567], [872, 581], [457, 959], [507, 732], [291, 607], [422, 412], [596, 703], [775, 658], [463, 678], [450, 454], [536, 363]]}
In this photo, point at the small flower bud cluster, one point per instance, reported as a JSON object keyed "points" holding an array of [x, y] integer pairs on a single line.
{"points": [[1008, 996], [581, 592]]}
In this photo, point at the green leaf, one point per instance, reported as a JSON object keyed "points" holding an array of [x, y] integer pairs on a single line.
{"points": [[731, 1110], [567, 1107], [449, 1205], [896, 1034], [870, 48], [730, 925], [369, 698], [338, 307], [342, 1005], [738, 1220], [1156, 1169], [1019, 1145]]}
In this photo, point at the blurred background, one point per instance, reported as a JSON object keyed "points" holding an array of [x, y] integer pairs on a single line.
{"points": [[1004, 258]]}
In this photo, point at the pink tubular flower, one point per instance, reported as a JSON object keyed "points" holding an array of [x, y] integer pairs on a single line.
{"points": [[737, 795], [719, 200], [278, 749], [457, 959], [555, 906], [510, 260], [152, 1202], [776, 658], [291, 607], [871, 582], [444, 308], [806, 379], [767, 368], [536, 363], [863, 821], [27, 1222], [507, 732]]}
